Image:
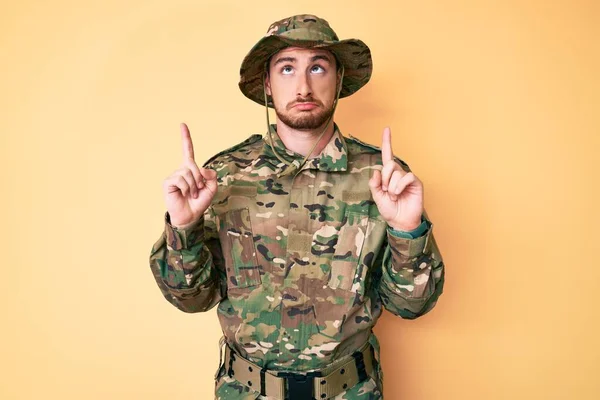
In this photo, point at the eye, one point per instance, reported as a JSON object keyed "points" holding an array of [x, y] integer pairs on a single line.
{"points": [[287, 70], [317, 69]]}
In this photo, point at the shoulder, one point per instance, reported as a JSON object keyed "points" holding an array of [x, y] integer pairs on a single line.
{"points": [[240, 151], [358, 148]]}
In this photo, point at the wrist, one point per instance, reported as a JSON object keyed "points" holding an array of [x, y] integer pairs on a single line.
{"points": [[405, 226], [185, 226], [182, 224]]}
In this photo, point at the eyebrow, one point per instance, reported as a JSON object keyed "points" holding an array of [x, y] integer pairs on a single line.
{"points": [[293, 59]]}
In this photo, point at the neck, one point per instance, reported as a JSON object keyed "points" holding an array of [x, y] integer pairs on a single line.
{"points": [[302, 141]]}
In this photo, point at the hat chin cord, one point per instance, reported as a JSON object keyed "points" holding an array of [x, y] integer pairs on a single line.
{"points": [[289, 167]]}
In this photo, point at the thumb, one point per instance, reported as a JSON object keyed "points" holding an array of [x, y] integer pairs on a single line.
{"points": [[210, 177]]}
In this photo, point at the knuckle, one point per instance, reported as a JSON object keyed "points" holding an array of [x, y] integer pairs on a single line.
{"points": [[170, 180]]}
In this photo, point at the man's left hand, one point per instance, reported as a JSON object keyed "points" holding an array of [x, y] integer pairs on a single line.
{"points": [[397, 193]]}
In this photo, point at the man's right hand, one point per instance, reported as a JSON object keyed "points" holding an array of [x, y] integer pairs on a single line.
{"points": [[189, 190]]}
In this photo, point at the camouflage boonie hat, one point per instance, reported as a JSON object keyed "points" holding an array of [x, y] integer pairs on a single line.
{"points": [[305, 31]]}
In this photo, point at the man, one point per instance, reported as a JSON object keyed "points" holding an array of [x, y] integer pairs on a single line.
{"points": [[299, 236]]}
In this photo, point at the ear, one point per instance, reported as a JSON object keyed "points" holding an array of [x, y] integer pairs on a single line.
{"points": [[267, 84], [339, 77]]}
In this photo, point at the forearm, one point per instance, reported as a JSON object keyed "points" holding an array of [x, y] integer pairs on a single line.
{"points": [[184, 268], [412, 276]]}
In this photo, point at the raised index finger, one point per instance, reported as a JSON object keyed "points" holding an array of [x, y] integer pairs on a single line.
{"points": [[188, 147], [386, 146]]}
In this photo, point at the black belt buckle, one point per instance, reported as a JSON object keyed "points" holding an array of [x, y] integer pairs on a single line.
{"points": [[298, 386]]}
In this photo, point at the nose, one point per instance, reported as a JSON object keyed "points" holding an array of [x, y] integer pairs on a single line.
{"points": [[304, 89]]}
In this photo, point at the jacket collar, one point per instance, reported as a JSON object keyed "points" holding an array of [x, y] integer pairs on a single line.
{"points": [[333, 157]]}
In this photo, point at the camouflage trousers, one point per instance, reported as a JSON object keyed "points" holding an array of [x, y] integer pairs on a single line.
{"points": [[227, 388]]}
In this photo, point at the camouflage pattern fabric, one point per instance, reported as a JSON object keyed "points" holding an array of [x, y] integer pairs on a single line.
{"points": [[227, 388], [305, 31], [300, 265]]}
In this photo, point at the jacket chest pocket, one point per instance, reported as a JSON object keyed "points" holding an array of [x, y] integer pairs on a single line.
{"points": [[358, 241], [239, 251]]}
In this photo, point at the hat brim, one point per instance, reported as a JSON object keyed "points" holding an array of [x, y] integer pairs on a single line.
{"points": [[353, 54]]}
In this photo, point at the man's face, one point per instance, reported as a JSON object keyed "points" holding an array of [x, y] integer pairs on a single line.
{"points": [[302, 83]]}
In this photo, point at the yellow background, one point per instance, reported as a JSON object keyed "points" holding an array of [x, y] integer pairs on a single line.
{"points": [[493, 104]]}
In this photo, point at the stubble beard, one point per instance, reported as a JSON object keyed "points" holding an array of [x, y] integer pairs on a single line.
{"points": [[305, 120]]}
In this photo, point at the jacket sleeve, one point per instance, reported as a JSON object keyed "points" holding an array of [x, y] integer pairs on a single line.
{"points": [[412, 271], [187, 264]]}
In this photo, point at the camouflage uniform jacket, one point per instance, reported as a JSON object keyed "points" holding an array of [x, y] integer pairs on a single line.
{"points": [[299, 265]]}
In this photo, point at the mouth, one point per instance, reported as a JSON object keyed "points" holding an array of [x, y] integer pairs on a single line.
{"points": [[305, 106]]}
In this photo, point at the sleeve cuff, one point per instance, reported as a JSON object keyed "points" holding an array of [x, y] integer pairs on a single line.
{"points": [[415, 233], [405, 247], [183, 237]]}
